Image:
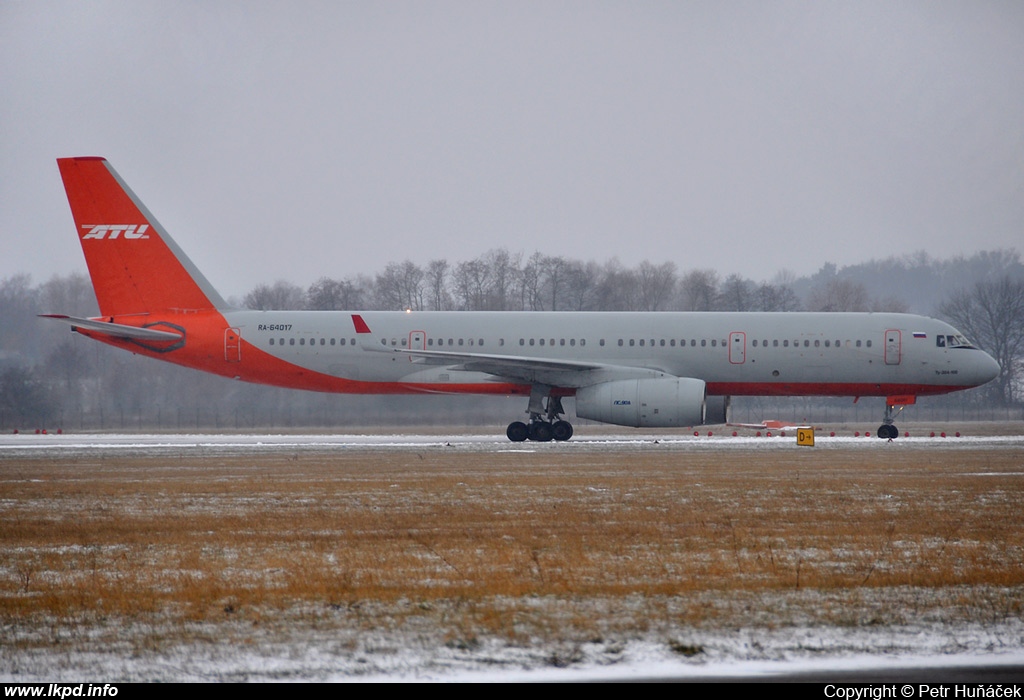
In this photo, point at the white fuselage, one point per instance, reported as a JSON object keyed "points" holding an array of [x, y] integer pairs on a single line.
{"points": [[734, 353]]}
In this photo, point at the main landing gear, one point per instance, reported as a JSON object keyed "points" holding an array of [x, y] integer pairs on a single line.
{"points": [[546, 422]]}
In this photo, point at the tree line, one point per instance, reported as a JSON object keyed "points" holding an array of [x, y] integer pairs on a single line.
{"points": [[50, 377]]}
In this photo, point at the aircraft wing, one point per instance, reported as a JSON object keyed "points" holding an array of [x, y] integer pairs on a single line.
{"points": [[116, 330], [564, 373]]}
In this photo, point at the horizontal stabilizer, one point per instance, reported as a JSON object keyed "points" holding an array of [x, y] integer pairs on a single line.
{"points": [[117, 330]]}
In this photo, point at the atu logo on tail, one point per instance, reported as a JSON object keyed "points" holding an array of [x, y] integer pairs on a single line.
{"points": [[108, 231]]}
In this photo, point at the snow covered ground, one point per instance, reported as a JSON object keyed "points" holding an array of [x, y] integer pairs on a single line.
{"points": [[311, 652], [718, 439]]}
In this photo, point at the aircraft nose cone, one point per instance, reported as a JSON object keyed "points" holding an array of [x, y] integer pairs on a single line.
{"points": [[988, 368]]}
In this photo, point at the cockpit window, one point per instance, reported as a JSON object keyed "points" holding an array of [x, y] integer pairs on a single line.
{"points": [[952, 341]]}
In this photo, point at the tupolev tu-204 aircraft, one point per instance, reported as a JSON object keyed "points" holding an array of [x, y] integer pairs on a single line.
{"points": [[659, 369]]}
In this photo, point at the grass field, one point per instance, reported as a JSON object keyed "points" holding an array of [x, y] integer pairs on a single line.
{"points": [[548, 548]]}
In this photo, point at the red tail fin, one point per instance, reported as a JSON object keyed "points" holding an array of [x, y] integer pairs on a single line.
{"points": [[135, 266]]}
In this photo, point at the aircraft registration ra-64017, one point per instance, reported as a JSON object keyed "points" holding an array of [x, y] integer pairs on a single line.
{"points": [[657, 369]]}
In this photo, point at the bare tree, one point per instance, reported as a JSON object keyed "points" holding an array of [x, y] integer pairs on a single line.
{"points": [[400, 287], [324, 295], [554, 276], [328, 294], [838, 294], [25, 400], [581, 287], [737, 294], [992, 315], [471, 282], [71, 295], [776, 297], [531, 284], [504, 277], [657, 285], [436, 281], [699, 290], [280, 295], [618, 289]]}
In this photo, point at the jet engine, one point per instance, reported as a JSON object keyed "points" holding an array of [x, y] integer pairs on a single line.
{"points": [[717, 410], [644, 403]]}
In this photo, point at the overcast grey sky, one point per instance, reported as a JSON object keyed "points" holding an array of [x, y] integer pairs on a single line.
{"points": [[294, 140]]}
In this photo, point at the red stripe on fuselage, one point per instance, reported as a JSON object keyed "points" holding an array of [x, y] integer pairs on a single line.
{"points": [[827, 389]]}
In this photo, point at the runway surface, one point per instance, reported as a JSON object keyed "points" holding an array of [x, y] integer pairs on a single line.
{"points": [[484, 442]]}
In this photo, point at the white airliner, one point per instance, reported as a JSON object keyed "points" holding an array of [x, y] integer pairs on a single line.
{"points": [[631, 369]]}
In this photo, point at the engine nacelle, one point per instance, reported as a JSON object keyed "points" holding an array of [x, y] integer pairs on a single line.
{"points": [[644, 403]]}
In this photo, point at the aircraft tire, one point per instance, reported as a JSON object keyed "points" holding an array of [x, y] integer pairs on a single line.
{"points": [[517, 431], [888, 432], [561, 430], [540, 431]]}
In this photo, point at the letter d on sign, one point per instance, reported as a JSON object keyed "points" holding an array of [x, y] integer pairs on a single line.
{"points": [[805, 436]]}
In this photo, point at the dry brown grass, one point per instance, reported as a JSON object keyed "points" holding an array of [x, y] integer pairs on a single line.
{"points": [[471, 540]]}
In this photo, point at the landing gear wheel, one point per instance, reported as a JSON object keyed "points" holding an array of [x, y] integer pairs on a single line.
{"points": [[517, 431], [540, 431], [888, 432], [561, 430]]}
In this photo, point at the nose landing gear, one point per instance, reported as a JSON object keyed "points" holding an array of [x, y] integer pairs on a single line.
{"points": [[888, 431]]}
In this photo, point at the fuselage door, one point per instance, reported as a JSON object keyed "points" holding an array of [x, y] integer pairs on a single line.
{"points": [[417, 341], [737, 347], [232, 345], [892, 347]]}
